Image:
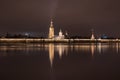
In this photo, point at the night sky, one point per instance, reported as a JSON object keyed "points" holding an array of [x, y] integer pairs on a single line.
{"points": [[77, 17]]}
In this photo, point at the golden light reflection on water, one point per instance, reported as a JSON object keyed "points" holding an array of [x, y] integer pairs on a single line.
{"points": [[93, 46], [51, 53], [60, 49], [117, 47]]}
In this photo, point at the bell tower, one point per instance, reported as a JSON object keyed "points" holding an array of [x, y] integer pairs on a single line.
{"points": [[92, 37], [51, 30]]}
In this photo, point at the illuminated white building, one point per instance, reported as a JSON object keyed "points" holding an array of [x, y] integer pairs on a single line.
{"points": [[60, 36], [51, 33]]}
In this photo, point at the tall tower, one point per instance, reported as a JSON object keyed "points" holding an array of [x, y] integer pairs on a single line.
{"points": [[60, 33], [92, 37], [51, 30]]}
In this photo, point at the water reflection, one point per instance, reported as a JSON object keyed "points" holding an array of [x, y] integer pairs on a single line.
{"points": [[59, 49], [117, 47], [93, 49], [99, 47], [51, 53]]}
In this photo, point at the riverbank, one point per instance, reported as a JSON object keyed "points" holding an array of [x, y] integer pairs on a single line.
{"points": [[31, 40]]}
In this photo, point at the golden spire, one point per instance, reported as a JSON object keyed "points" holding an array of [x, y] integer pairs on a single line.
{"points": [[51, 30], [92, 37], [60, 30], [51, 23]]}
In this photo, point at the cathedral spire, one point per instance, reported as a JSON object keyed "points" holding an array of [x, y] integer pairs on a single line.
{"points": [[92, 37], [60, 30], [51, 30]]}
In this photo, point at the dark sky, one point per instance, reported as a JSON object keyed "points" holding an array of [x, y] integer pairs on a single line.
{"points": [[74, 16]]}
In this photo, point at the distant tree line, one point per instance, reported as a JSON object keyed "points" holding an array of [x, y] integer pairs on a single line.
{"points": [[8, 35]]}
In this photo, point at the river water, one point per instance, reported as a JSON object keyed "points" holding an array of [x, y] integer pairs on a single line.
{"points": [[86, 61]]}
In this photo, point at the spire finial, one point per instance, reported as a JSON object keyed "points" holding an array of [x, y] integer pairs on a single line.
{"points": [[51, 23], [92, 30], [92, 37], [60, 30]]}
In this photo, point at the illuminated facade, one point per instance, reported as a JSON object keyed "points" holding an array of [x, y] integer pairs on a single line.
{"points": [[60, 36], [51, 31], [92, 37]]}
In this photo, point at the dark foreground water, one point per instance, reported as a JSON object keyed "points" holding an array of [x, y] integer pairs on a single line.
{"points": [[60, 61]]}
